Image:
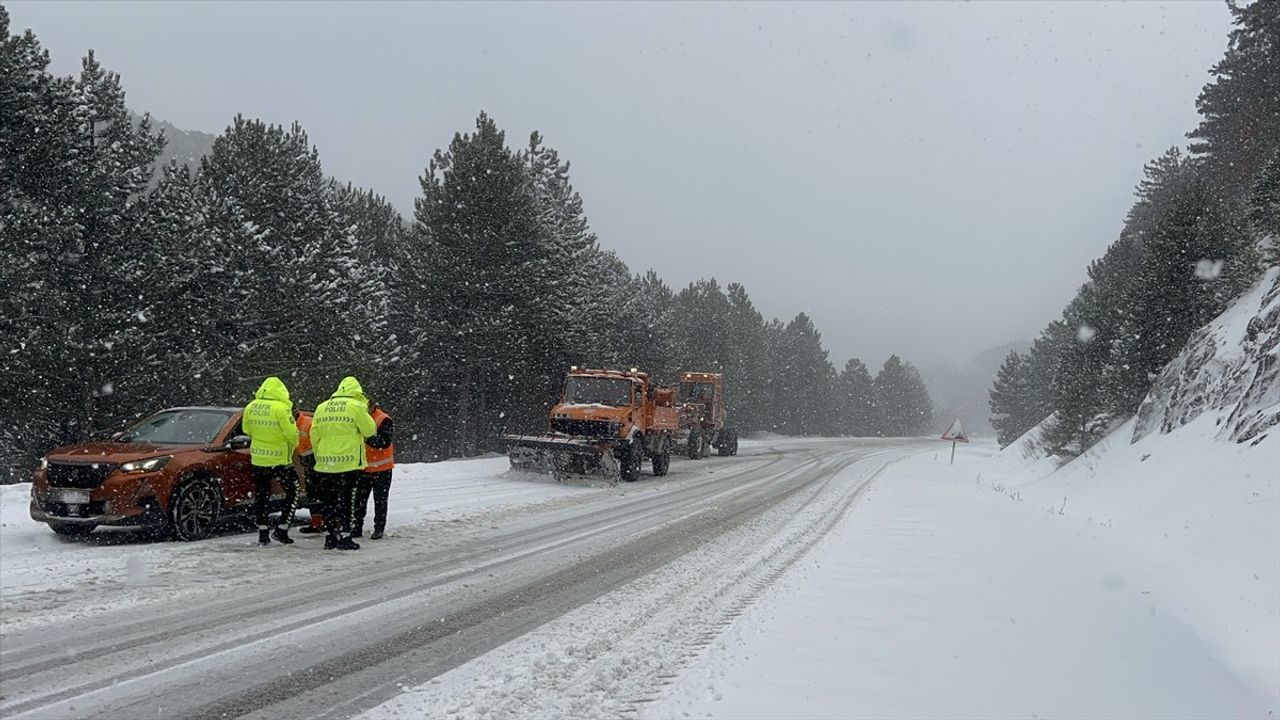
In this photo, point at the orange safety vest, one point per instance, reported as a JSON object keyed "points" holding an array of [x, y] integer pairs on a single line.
{"points": [[304, 434], [379, 459]]}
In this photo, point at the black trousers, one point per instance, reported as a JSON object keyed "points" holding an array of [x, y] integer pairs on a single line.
{"points": [[337, 491], [262, 477], [379, 484]]}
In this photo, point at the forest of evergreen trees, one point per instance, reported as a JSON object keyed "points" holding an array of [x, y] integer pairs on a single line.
{"points": [[123, 295], [1204, 224]]}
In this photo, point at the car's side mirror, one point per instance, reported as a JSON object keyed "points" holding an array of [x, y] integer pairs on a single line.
{"points": [[239, 442]]}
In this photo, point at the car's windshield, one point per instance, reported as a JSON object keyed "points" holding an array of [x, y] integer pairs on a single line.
{"points": [[598, 391], [193, 426]]}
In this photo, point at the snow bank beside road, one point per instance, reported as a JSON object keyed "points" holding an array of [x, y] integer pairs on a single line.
{"points": [[947, 593]]}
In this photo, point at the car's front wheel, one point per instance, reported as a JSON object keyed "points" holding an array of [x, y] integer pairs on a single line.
{"points": [[72, 529], [194, 509]]}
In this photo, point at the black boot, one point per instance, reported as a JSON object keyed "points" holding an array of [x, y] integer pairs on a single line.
{"points": [[358, 532], [281, 534], [264, 537], [347, 543], [377, 534], [330, 541]]}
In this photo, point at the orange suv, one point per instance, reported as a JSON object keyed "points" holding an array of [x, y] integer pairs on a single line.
{"points": [[178, 471]]}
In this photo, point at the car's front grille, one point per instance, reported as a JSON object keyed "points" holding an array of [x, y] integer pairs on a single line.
{"points": [[76, 475], [585, 428], [93, 509]]}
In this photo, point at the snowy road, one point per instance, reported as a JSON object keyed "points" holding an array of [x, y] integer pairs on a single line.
{"points": [[223, 628]]}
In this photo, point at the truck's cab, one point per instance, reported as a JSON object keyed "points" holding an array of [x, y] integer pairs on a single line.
{"points": [[606, 423], [703, 415]]}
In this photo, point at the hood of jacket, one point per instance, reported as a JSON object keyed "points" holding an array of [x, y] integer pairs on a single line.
{"points": [[272, 389], [350, 387]]}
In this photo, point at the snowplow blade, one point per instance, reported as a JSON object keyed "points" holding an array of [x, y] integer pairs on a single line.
{"points": [[564, 457]]}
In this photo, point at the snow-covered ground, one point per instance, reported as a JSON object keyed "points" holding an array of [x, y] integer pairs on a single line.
{"points": [[1141, 579], [953, 593], [1138, 581], [40, 571]]}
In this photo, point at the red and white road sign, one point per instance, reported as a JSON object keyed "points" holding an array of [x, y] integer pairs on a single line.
{"points": [[955, 432]]}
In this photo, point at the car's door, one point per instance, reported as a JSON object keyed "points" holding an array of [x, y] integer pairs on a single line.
{"points": [[232, 467]]}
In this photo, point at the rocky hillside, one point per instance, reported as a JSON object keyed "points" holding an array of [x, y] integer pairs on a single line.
{"points": [[1230, 367]]}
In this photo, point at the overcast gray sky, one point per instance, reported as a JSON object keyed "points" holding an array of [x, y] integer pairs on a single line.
{"points": [[923, 178]]}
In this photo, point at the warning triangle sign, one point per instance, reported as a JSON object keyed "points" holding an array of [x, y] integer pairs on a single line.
{"points": [[955, 431]]}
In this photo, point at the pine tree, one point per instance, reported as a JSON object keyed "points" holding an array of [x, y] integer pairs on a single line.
{"points": [[478, 238], [307, 307], [700, 326], [746, 369], [71, 168], [1264, 206], [902, 404], [1240, 109], [856, 392], [805, 381]]}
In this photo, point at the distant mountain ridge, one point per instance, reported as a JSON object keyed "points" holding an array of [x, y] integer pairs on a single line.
{"points": [[186, 147], [960, 391]]}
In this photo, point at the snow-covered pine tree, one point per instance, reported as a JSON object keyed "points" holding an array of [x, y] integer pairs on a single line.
{"points": [[478, 240], [700, 326], [1240, 109], [180, 270], [903, 406], [747, 370], [1264, 206], [374, 233], [855, 390], [71, 169], [567, 246], [1011, 399], [647, 340], [805, 381], [305, 306]]}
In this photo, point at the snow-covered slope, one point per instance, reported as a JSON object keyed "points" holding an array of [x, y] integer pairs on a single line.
{"points": [[949, 594], [1141, 579], [1230, 368], [1192, 484]]}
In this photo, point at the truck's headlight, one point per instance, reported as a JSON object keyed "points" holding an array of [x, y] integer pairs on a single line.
{"points": [[146, 465]]}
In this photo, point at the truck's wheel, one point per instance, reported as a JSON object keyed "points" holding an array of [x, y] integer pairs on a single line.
{"points": [[71, 529], [661, 464], [631, 461], [695, 445], [728, 443], [194, 509]]}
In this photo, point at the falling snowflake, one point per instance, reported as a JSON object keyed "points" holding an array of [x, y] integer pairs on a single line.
{"points": [[107, 389], [1208, 269], [1085, 333]]}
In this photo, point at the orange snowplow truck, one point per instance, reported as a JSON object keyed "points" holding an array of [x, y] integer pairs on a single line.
{"points": [[703, 417], [605, 425]]}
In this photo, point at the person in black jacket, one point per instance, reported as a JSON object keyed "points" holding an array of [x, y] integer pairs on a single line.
{"points": [[376, 478]]}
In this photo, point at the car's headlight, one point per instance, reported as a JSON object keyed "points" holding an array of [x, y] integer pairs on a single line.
{"points": [[44, 463], [146, 465]]}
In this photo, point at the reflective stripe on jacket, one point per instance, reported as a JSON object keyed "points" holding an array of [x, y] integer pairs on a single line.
{"points": [[339, 429], [383, 458]]}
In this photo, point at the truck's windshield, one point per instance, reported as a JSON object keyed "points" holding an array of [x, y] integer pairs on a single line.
{"points": [[580, 390], [697, 392], [183, 427]]}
